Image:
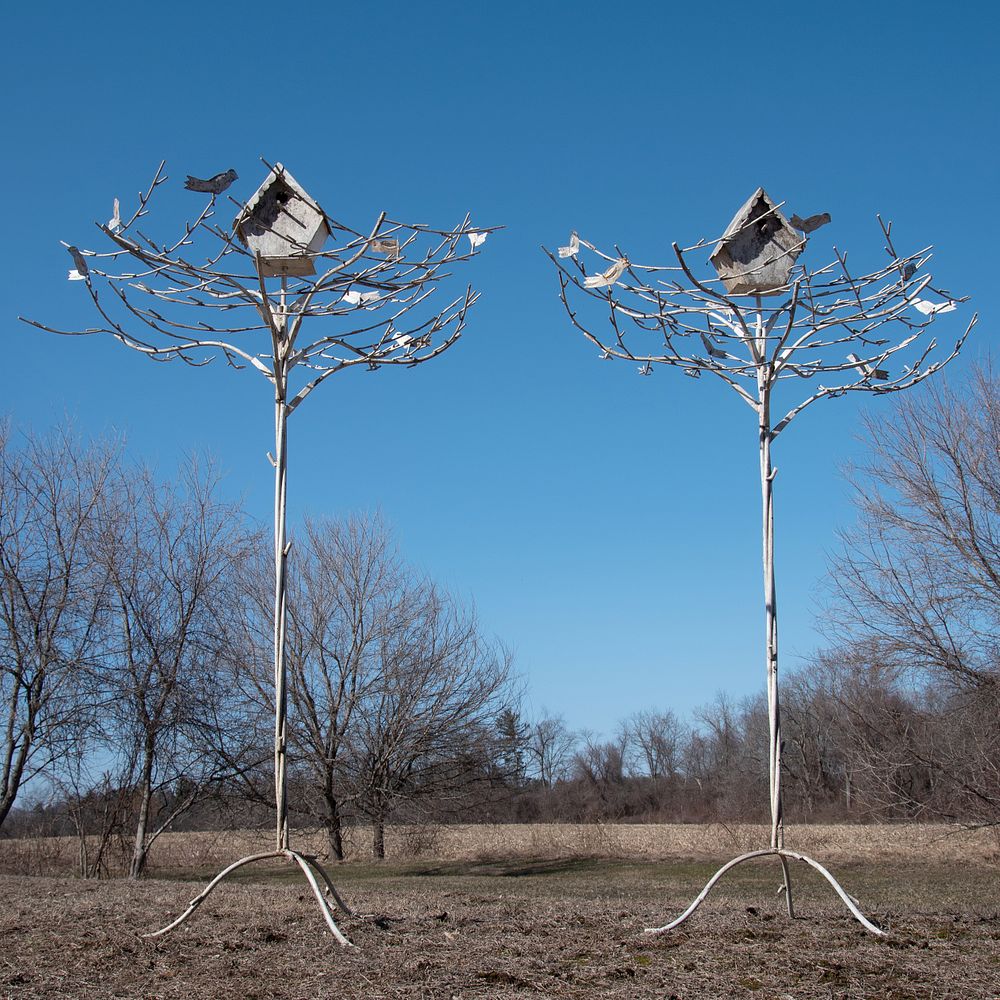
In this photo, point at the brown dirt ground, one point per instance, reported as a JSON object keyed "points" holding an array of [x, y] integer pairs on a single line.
{"points": [[559, 928]]}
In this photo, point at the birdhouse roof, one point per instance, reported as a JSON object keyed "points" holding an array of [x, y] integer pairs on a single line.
{"points": [[278, 174]]}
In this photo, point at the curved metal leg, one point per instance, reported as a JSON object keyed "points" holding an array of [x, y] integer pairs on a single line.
{"points": [[848, 901], [203, 895], [700, 898], [320, 898], [787, 886], [783, 855], [330, 888], [288, 855]]}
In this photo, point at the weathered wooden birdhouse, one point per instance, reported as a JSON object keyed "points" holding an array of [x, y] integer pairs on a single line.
{"points": [[757, 250], [283, 225]]}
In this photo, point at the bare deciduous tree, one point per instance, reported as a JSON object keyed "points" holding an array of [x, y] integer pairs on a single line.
{"points": [[550, 748], [394, 693], [168, 553], [427, 725], [918, 581], [343, 603], [51, 591], [921, 570], [655, 741]]}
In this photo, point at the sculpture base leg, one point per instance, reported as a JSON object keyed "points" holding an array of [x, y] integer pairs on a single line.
{"points": [[783, 855], [310, 868]]}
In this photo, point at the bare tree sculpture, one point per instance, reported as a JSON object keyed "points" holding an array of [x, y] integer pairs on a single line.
{"points": [[255, 284], [831, 329]]}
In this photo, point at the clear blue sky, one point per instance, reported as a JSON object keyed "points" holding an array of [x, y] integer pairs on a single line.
{"points": [[606, 525]]}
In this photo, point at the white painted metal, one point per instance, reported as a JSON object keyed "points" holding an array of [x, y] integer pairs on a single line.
{"points": [[783, 855], [308, 864]]}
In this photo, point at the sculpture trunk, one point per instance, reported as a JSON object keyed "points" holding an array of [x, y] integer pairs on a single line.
{"points": [[767, 472], [280, 613]]}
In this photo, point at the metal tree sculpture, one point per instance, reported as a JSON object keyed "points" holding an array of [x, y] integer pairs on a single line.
{"points": [[856, 333], [263, 278]]}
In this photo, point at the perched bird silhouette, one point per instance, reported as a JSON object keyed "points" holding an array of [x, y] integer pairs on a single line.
{"points": [[80, 272], [810, 224], [712, 348], [214, 185]]}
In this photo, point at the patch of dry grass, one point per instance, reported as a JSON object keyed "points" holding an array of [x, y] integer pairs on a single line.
{"points": [[192, 852]]}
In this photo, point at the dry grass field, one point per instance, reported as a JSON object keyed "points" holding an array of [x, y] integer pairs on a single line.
{"points": [[188, 853], [523, 912]]}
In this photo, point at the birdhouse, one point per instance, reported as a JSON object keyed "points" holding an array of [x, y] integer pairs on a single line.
{"points": [[282, 225], [757, 250]]}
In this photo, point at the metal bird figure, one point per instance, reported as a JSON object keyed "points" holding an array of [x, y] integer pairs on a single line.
{"points": [[608, 277], [574, 246], [81, 271], [810, 224], [214, 185], [933, 308], [354, 298], [714, 351], [868, 371], [388, 246], [909, 270]]}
